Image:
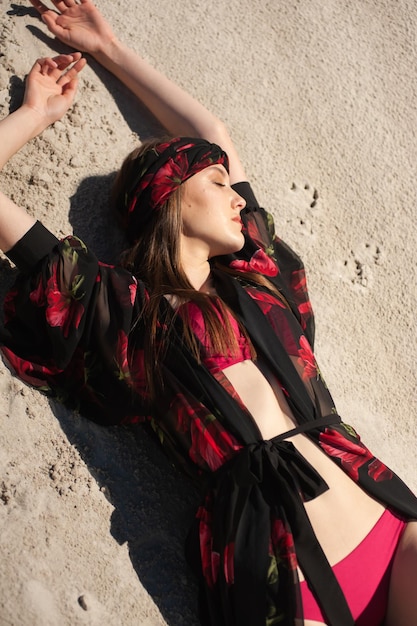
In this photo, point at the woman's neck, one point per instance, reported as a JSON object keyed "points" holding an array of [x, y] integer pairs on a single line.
{"points": [[199, 275]]}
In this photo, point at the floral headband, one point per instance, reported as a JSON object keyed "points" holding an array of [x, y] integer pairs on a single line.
{"points": [[160, 171]]}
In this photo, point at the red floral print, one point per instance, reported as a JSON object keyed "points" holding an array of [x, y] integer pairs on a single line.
{"points": [[186, 146], [37, 296], [32, 373], [210, 560], [167, 178], [137, 372], [10, 306], [305, 308], [211, 444], [133, 288], [259, 262], [253, 232], [229, 563], [283, 542], [353, 456], [130, 367], [144, 183], [299, 283], [378, 471], [306, 312], [265, 300], [63, 310], [306, 359], [121, 356]]}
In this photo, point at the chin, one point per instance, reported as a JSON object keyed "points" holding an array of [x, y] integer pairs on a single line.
{"points": [[238, 247]]}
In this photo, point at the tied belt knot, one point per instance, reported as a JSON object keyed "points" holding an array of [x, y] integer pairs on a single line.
{"points": [[266, 481], [275, 464]]}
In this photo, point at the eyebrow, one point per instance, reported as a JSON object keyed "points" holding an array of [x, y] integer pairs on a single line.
{"points": [[219, 169]]}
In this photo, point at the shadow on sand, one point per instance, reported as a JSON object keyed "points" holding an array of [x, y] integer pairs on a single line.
{"points": [[153, 503]]}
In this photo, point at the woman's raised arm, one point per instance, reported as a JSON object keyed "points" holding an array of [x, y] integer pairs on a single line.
{"points": [[50, 90], [82, 26]]}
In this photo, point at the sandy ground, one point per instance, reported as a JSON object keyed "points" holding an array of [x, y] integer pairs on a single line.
{"points": [[320, 97]]}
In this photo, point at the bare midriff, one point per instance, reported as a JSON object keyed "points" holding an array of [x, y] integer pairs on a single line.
{"points": [[343, 515]]}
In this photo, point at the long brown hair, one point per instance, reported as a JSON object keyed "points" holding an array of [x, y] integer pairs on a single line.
{"points": [[155, 259]]}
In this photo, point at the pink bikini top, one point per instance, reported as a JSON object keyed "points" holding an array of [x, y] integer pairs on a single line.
{"points": [[211, 359]]}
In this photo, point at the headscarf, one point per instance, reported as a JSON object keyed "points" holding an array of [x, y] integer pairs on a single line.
{"points": [[160, 171]]}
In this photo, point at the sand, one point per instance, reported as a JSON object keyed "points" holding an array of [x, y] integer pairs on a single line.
{"points": [[320, 98]]}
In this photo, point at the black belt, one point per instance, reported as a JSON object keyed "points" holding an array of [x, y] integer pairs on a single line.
{"points": [[321, 422]]}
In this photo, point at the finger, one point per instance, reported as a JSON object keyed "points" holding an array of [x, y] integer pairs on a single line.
{"points": [[72, 73], [67, 67], [79, 65], [54, 67], [69, 89], [44, 66], [62, 5], [50, 19], [64, 60], [40, 6], [73, 70]]}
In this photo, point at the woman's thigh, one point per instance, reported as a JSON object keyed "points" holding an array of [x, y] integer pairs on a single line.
{"points": [[402, 602]]}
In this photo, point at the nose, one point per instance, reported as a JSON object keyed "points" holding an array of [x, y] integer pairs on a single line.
{"points": [[238, 202]]}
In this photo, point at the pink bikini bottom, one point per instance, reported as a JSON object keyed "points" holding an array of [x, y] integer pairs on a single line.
{"points": [[364, 575]]}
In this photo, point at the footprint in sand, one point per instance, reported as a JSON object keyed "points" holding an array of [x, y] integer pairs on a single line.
{"points": [[359, 265], [304, 200]]}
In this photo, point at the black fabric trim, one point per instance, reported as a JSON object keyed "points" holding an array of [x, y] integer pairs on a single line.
{"points": [[267, 343], [32, 247]]}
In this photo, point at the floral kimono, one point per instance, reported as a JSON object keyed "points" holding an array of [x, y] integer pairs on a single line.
{"points": [[74, 330]]}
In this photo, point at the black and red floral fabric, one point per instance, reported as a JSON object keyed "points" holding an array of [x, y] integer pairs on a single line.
{"points": [[73, 329]]}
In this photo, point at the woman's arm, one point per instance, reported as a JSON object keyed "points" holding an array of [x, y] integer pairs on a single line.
{"points": [[50, 90], [83, 27]]}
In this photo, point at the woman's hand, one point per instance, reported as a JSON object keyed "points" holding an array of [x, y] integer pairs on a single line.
{"points": [[50, 89], [51, 86], [77, 24]]}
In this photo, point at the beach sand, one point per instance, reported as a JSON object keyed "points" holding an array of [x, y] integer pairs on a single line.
{"points": [[320, 98]]}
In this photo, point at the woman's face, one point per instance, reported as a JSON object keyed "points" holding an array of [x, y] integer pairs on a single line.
{"points": [[210, 211]]}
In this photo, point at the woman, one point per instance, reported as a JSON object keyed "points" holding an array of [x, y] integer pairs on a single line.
{"points": [[206, 332]]}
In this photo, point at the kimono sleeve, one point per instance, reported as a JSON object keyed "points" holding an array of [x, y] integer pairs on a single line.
{"points": [[266, 253], [67, 321]]}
